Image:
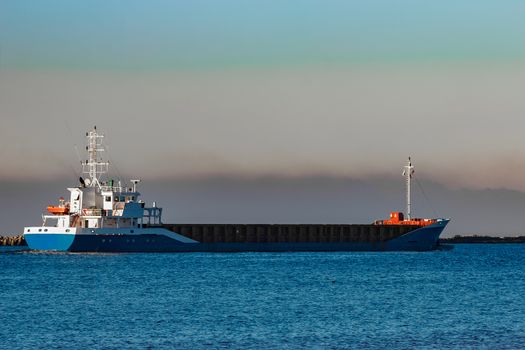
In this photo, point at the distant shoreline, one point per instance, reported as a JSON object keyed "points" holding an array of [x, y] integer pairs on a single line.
{"points": [[482, 239]]}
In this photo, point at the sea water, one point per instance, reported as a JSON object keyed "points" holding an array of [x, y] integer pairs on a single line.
{"points": [[470, 297]]}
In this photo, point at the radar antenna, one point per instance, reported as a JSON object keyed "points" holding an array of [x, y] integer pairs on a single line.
{"points": [[408, 171], [135, 182], [94, 166]]}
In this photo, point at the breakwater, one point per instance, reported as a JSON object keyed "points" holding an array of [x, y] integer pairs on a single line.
{"points": [[13, 241]]}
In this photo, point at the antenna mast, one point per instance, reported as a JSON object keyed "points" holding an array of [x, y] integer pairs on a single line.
{"points": [[94, 166], [408, 171]]}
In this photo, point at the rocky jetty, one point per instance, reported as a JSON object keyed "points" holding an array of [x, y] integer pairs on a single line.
{"points": [[12, 241]]}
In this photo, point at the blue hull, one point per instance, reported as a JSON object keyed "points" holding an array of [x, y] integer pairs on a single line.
{"points": [[422, 239], [49, 241]]}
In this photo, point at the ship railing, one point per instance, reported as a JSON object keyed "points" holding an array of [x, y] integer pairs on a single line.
{"points": [[106, 188]]}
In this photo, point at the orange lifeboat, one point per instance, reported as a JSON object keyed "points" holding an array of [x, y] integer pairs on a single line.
{"points": [[61, 209], [58, 210]]}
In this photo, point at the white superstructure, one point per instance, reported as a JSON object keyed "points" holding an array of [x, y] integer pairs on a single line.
{"points": [[99, 203]]}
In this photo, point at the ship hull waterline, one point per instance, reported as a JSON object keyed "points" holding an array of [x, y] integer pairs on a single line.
{"points": [[161, 240]]}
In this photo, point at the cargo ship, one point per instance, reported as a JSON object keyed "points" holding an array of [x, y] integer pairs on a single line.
{"points": [[105, 215]]}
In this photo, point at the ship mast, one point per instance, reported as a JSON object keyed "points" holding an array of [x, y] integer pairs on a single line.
{"points": [[408, 171], [94, 166]]}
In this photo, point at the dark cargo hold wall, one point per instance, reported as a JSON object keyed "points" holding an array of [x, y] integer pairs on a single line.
{"points": [[274, 233]]}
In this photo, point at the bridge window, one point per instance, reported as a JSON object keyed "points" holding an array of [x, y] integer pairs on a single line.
{"points": [[108, 198]]}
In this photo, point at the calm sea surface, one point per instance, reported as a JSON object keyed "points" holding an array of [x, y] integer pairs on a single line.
{"points": [[470, 297]]}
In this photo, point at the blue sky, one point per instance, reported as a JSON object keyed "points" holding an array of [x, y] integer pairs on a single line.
{"points": [[232, 33]]}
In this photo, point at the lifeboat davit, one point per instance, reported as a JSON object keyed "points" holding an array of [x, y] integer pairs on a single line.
{"points": [[58, 210]]}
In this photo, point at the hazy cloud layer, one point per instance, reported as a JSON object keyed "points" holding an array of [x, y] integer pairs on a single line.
{"points": [[462, 124]]}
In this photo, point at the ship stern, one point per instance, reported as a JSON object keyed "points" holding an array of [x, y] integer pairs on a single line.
{"points": [[49, 238]]}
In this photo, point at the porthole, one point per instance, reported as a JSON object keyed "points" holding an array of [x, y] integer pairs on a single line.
{"points": [[39, 230], [45, 230], [28, 230], [131, 231], [67, 230]]}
